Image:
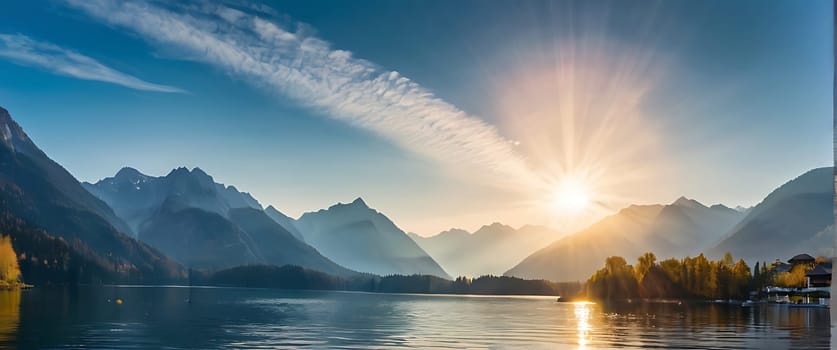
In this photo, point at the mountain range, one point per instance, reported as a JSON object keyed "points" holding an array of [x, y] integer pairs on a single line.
{"points": [[684, 227], [490, 250], [136, 197], [797, 217], [134, 227], [204, 224]]}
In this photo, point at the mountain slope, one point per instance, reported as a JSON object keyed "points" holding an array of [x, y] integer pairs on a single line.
{"points": [[684, 227], [491, 250], [51, 218], [198, 238], [285, 221], [577, 256], [791, 219], [278, 246], [362, 239]]}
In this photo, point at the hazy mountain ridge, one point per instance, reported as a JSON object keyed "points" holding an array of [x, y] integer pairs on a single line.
{"points": [[363, 239], [689, 227], [790, 220], [684, 227], [491, 250]]}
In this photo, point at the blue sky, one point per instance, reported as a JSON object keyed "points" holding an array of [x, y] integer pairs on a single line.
{"points": [[493, 101]]}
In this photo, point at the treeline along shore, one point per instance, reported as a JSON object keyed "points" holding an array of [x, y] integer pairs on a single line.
{"points": [[689, 278], [65, 272], [295, 277]]}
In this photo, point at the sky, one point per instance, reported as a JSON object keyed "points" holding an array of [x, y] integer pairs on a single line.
{"points": [[440, 114]]}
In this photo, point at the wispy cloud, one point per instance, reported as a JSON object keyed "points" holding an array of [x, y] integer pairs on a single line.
{"points": [[26, 51], [286, 60]]}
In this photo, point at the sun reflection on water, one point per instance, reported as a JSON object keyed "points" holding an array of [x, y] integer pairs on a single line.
{"points": [[582, 317]]}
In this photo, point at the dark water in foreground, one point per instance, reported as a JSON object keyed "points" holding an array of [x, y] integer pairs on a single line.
{"points": [[159, 317]]}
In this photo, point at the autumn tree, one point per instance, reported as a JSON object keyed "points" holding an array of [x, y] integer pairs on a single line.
{"points": [[616, 280], [741, 278], [644, 262], [673, 268], [794, 278], [9, 269], [696, 277]]}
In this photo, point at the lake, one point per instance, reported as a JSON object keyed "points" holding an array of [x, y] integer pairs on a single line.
{"points": [[157, 317]]}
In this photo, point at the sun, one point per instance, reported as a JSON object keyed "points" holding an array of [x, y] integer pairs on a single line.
{"points": [[570, 196]]}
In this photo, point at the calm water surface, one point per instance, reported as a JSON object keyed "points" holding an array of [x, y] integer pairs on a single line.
{"points": [[160, 317]]}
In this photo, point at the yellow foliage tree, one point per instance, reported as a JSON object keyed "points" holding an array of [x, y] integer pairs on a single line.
{"points": [[9, 269], [793, 278]]}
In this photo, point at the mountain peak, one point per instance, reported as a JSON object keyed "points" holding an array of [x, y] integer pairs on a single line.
{"points": [[720, 207], [495, 225], [179, 171], [359, 202], [12, 135], [128, 172], [195, 173], [357, 206], [453, 232], [128, 175], [198, 171], [686, 202], [495, 228]]}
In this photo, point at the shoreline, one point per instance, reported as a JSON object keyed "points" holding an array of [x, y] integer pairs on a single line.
{"points": [[13, 287], [179, 286]]}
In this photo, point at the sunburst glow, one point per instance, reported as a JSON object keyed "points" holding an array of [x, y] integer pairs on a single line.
{"points": [[584, 132], [571, 196]]}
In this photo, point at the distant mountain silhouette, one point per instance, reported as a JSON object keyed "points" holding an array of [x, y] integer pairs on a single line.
{"points": [[362, 239], [796, 217], [687, 227], [204, 224], [491, 250], [684, 227], [68, 234]]}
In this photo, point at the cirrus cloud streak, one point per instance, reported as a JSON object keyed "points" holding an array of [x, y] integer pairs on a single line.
{"points": [[252, 47], [25, 51]]}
